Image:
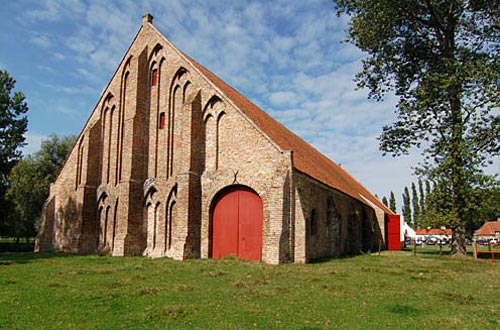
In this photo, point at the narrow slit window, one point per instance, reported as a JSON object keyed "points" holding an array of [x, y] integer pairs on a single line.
{"points": [[161, 124], [314, 223], [154, 77]]}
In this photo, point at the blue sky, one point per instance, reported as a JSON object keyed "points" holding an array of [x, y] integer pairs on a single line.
{"points": [[284, 55]]}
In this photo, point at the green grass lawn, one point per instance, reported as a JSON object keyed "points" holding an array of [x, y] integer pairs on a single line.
{"points": [[394, 290]]}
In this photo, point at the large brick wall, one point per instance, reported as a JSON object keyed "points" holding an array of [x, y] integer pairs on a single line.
{"points": [[161, 145]]}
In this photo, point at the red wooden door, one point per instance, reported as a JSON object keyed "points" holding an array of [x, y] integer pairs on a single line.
{"points": [[237, 225], [250, 223], [225, 226]]}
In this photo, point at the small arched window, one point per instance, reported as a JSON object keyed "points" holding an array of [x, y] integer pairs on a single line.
{"points": [[154, 77], [161, 123]]}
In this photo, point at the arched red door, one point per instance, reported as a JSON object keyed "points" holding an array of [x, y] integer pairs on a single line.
{"points": [[237, 225]]}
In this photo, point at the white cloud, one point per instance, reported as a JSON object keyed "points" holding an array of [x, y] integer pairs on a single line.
{"points": [[84, 90], [66, 110], [80, 45], [55, 10], [45, 68], [87, 75], [104, 58], [282, 98], [283, 43], [41, 41], [59, 56], [33, 142]]}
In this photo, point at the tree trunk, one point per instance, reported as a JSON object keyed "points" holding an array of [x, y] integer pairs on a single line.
{"points": [[458, 162], [458, 242]]}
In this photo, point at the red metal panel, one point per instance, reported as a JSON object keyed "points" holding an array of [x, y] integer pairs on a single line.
{"points": [[393, 232], [250, 220], [225, 226]]}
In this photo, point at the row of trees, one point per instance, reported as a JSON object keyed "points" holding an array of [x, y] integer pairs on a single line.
{"points": [[424, 204], [29, 184], [24, 181]]}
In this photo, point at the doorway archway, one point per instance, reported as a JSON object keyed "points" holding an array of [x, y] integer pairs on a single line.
{"points": [[237, 218]]}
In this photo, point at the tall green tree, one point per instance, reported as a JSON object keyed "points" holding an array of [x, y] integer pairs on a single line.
{"points": [[13, 126], [485, 206], [407, 206], [488, 204], [441, 59], [384, 200], [26, 193], [416, 205], [392, 202], [428, 191], [29, 184], [52, 154], [421, 198]]}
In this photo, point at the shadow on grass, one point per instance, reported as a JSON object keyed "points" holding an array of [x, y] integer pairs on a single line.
{"points": [[484, 255], [16, 247], [434, 251], [9, 258], [404, 310], [327, 259], [345, 257]]}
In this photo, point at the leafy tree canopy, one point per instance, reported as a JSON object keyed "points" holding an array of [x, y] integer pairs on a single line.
{"points": [[29, 184], [441, 59], [392, 202], [13, 125]]}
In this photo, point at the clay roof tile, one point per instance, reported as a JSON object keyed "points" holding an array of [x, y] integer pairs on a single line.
{"points": [[488, 228]]}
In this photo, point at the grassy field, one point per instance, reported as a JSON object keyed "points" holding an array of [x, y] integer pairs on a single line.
{"points": [[394, 290]]}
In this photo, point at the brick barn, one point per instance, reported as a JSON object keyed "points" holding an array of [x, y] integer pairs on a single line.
{"points": [[174, 162]]}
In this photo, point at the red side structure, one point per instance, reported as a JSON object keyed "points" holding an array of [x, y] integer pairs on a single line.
{"points": [[393, 230]]}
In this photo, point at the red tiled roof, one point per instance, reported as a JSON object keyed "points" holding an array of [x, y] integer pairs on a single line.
{"points": [[488, 229], [306, 159], [433, 231]]}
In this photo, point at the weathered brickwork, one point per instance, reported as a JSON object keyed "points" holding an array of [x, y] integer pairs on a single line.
{"points": [[165, 141]]}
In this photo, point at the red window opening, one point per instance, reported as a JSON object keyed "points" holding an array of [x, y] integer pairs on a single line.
{"points": [[162, 121], [154, 77]]}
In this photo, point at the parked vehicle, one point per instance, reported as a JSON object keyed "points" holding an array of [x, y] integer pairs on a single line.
{"points": [[494, 242]]}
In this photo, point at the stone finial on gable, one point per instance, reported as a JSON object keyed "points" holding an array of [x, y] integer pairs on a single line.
{"points": [[147, 18]]}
